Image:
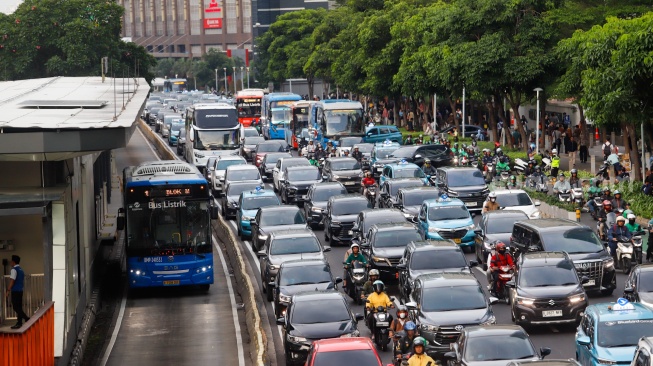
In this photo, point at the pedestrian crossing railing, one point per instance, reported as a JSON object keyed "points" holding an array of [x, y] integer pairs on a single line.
{"points": [[33, 296]]}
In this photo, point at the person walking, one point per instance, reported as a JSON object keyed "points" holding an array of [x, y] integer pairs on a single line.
{"points": [[573, 148], [557, 139], [411, 121], [16, 286], [606, 148]]}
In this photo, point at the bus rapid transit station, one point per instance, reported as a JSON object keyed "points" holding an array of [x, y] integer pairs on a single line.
{"points": [[56, 137]]}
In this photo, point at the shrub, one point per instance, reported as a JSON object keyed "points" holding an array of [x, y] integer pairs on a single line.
{"points": [[550, 200]]}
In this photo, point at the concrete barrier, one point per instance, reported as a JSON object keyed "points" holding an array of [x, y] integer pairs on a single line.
{"points": [[244, 285]]}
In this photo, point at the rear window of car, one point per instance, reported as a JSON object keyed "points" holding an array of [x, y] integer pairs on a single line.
{"points": [[353, 357]]}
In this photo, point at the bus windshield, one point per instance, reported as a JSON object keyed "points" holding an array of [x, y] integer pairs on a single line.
{"points": [[280, 116], [168, 227], [343, 122], [248, 106], [175, 85], [216, 140]]}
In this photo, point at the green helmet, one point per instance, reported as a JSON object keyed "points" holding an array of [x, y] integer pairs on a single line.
{"points": [[512, 177], [419, 341], [627, 212]]}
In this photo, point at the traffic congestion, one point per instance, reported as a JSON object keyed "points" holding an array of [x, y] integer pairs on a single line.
{"points": [[371, 251]]}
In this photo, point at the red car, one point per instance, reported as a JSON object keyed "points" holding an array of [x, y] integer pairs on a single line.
{"points": [[266, 147], [357, 351]]}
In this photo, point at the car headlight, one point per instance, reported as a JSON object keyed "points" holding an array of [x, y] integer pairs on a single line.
{"points": [[576, 298], [233, 204], [274, 266], [316, 209], [296, 339], [245, 149], [292, 189], [284, 298], [246, 218], [452, 193], [606, 362], [429, 328], [335, 176], [263, 237], [535, 215], [408, 216], [490, 321], [379, 259], [469, 227], [608, 263], [335, 222], [525, 301]]}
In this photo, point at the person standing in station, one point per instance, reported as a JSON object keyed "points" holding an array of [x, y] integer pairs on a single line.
{"points": [[16, 286]]}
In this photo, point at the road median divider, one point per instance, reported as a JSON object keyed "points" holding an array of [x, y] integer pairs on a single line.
{"points": [[161, 147]]}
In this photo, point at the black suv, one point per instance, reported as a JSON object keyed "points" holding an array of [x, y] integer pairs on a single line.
{"points": [[390, 188], [229, 202], [386, 244], [340, 215], [579, 241], [465, 183], [495, 225], [409, 200], [440, 155], [298, 180], [430, 256], [546, 290], [268, 163], [317, 198], [443, 304], [344, 170], [367, 218]]}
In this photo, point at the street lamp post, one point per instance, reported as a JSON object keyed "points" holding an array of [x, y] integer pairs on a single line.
{"points": [[225, 79], [242, 77], [216, 81], [247, 77], [463, 135], [537, 119], [235, 80]]}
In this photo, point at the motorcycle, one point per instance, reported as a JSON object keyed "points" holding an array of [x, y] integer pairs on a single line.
{"points": [[624, 254], [598, 203], [489, 172], [357, 276], [381, 327], [505, 274], [603, 173], [371, 195], [577, 197], [538, 183], [504, 177], [546, 165], [520, 165], [637, 246], [564, 195]]}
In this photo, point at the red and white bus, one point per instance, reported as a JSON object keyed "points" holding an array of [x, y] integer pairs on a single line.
{"points": [[248, 104]]}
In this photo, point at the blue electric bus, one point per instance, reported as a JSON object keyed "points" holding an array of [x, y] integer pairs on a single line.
{"points": [[175, 85], [276, 114], [167, 217]]}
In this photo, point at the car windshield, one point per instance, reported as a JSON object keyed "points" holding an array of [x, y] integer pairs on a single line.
{"points": [[237, 189], [252, 203], [286, 217], [248, 132], [623, 333], [354, 357], [432, 259], [304, 174], [573, 241], [320, 311], [253, 140], [465, 178], [510, 347], [387, 218], [396, 186], [645, 281], [349, 141], [345, 165], [561, 274], [349, 206], [438, 213], [405, 152], [176, 127], [287, 246], [304, 275], [242, 174], [511, 200], [502, 225], [323, 194], [453, 298], [384, 152], [271, 159], [416, 198], [271, 147], [411, 172], [223, 164], [395, 238]]}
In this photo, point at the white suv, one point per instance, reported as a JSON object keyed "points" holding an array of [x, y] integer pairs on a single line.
{"points": [[219, 170], [517, 199]]}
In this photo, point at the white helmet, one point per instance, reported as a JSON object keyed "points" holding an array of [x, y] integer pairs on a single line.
{"points": [[631, 217], [354, 245], [554, 151], [621, 218], [492, 195], [374, 272]]}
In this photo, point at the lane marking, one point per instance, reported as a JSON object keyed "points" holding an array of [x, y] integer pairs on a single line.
{"points": [[234, 311], [116, 330]]}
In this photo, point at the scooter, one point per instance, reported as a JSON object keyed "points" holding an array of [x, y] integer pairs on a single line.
{"points": [[520, 165], [505, 274], [603, 174], [624, 254], [357, 276], [371, 195], [489, 172], [637, 246], [577, 197], [381, 327], [564, 195], [546, 165], [504, 177]]}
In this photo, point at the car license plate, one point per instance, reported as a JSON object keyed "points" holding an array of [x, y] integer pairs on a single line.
{"points": [[350, 232], [382, 324], [590, 283], [170, 283], [471, 204], [551, 313], [304, 197], [379, 170], [457, 241], [349, 183]]}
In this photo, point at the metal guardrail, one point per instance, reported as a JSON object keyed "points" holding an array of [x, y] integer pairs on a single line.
{"points": [[33, 296]]}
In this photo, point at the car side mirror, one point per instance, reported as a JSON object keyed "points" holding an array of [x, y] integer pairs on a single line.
{"points": [[627, 290], [365, 246], [261, 254], [338, 280], [510, 284], [411, 305], [473, 263], [325, 177], [545, 351], [493, 300], [120, 221], [359, 317], [214, 212], [281, 320], [537, 203], [418, 156], [401, 266]]}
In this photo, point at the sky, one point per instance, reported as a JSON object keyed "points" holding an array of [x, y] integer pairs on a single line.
{"points": [[9, 6]]}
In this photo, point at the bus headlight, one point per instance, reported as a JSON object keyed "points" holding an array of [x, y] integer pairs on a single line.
{"points": [[137, 272]]}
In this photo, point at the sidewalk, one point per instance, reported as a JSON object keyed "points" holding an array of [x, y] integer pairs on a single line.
{"points": [[595, 151]]}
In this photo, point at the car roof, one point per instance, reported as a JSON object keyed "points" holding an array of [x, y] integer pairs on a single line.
{"points": [[327, 185], [494, 330], [242, 167], [389, 226], [405, 181], [293, 158], [461, 168], [262, 193], [605, 313], [279, 208], [293, 233], [349, 196], [301, 167], [282, 154], [424, 245], [343, 344], [230, 157], [554, 224], [447, 279], [341, 158], [538, 259], [399, 165], [440, 202], [552, 362], [506, 191], [243, 183], [505, 213], [304, 263], [381, 212], [646, 267], [409, 190], [317, 295]]}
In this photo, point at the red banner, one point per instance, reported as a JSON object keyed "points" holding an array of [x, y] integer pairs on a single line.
{"points": [[213, 7], [213, 23]]}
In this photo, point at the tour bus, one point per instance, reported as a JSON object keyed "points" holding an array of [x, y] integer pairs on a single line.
{"points": [[167, 217], [212, 129], [300, 121], [276, 100], [174, 85], [248, 103], [336, 119]]}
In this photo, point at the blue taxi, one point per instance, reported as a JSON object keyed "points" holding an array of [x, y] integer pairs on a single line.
{"points": [[249, 203], [380, 156], [446, 218], [402, 169], [609, 332]]}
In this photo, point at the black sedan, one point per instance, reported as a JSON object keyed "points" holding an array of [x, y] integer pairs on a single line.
{"points": [[387, 244], [340, 215], [317, 198], [639, 285], [410, 199], [249, 145], [312, 316], [495, 225], [229, 202], [268, 162], [298, 179], [390, 188]]}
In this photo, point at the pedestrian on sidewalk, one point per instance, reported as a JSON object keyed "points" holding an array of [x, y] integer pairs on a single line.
{"points": [[557, 139], [573, 148], [606, 148], [16, 287]]}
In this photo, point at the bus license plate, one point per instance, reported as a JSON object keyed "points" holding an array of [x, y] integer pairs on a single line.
{"points": [[471, 204], [551, 313], [590, 283], [457, 241], [170, 283]]}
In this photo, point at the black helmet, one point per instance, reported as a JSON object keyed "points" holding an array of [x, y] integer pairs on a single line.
{"points": [[538, 169], [378, 286]]}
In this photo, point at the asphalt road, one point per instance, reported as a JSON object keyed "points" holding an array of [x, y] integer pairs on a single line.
{"points": [[180, 326], [559, 338]]}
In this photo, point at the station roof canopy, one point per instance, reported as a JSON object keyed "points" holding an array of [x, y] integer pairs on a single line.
{"points": [[62, 117]]}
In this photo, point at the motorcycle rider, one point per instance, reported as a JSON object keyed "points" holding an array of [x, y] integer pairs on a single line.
{"points": [[500, 259], [503, 164], [353, 254], [632, 226], [555, 162], [471, 153], [530, 168], [455, 150], [367, 181], [487, 157], [368, 288], [512, 183], [619, 230], [399, 322], [357, 154], [420, 358], [374, 300], [319, 152], [310, 148], [603, 216], [618, 202], [428, 168], [491, 204], [475, 147], [498, 152], [405, 344], [561, 185], [594, 191], [574, 181]]}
